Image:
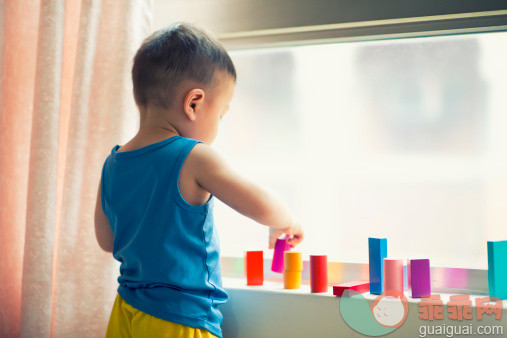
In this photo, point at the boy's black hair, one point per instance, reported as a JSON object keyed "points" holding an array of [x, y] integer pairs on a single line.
{"points": [[173, 54]]}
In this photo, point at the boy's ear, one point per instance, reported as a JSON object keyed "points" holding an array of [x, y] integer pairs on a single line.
{"points": [[193, 102]]}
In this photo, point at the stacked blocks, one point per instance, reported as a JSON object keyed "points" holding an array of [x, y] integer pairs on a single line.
{"points": [[385, 274], [293, 269], [377, 248]]}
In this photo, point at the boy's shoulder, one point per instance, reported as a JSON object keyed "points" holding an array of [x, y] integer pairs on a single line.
{"points": [[205, 163], [204, 157]]}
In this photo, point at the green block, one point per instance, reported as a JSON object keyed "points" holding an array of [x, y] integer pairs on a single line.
{"points": [[497, 269]]}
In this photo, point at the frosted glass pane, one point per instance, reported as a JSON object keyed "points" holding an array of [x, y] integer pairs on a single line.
{"points": [[399, 138]]}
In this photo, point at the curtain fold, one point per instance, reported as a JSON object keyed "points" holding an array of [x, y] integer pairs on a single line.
{"points": [[65, 101], [42, 174]]}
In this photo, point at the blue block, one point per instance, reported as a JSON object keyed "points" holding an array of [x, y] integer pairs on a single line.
{"points": [[497, 269], [377, 248]]}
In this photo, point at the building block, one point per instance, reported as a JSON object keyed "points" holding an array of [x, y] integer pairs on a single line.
{"points": [[254, 267], [360, 286], [293, 269], [293, 261], [419, 278], [318, 273], [281, 246], [377, 248], [497, 269], [393, 274]]}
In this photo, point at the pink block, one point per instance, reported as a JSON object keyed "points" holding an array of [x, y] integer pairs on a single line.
{"points": [[393, 274], [281, 246]]}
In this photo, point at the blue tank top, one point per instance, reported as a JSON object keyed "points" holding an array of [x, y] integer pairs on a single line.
{"points": [[168, 249]]}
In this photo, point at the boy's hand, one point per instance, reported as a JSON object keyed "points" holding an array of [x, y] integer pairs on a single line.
{"points": [[294, 232], [214, 175]]}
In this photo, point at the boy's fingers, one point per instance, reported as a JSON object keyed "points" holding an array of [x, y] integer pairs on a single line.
{"points": [[295, 240], [293, 244]]}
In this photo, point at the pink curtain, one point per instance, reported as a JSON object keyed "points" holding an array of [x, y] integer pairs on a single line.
{"points": [[65, 101]]}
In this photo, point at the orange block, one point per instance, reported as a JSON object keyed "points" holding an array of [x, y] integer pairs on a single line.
{"points": [[293, 268], [293, 261]]}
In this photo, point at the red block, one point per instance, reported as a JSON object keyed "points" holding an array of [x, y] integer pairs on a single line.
{"points": [[360, 286], [318, 273], [254, 268]]}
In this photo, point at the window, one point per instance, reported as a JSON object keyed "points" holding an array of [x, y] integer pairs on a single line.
{"points": [[398, 138]]}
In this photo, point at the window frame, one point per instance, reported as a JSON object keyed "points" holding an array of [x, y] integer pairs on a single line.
{"points": [[255, 24]]}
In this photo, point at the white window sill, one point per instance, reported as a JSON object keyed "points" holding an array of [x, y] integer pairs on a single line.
{"points": [[271, 287], [272, 311]]}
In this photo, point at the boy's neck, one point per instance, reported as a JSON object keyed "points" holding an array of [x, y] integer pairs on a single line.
{"points": [[156, 122], [155, 134]]}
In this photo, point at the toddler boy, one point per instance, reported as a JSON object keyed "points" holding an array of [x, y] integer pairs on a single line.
{"points": [[155, 199]]}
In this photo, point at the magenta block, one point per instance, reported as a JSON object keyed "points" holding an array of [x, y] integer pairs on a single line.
{"points": [[420, 279], [281, 246]]}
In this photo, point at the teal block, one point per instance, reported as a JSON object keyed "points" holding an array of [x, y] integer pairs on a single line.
{"points": [[377, 251], [497, 269]]}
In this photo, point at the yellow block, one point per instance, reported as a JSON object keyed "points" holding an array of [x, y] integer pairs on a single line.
{"points": [[293, 261], [291, 279]]}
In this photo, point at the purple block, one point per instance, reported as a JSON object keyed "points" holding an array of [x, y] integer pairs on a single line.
{"points": [[418, 271], [281, 246]]}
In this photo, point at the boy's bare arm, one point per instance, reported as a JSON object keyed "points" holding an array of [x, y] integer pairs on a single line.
{"points": [[214, 175], [103, 231]]}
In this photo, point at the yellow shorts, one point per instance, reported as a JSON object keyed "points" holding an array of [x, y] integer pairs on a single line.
{"points": [[127, 321]]}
